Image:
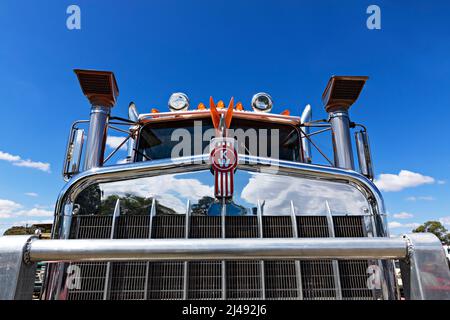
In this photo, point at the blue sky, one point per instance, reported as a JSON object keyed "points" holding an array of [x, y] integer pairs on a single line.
{"points": [[229, 48]]}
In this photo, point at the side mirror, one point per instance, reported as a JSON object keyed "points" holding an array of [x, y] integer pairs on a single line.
{"points": [[364, 155], [74, 149], [133, 115]]}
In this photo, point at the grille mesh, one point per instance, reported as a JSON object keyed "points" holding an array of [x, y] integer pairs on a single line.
{"points": [[280, 276], [205, 277], [243, 279]]}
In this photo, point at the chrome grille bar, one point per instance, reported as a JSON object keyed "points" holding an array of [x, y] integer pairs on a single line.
{"points": [[147, 264], [186, 265], [298, 269], [224, 266], [259, 212], [217, 249]]}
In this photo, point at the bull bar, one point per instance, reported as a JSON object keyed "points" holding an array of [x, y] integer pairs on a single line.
{"points": [[421, 256]]}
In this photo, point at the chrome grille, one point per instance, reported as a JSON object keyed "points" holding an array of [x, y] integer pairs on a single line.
{"points": [[128, 278], [166, 278], [205, 277], [352, 272], [317, 275], [92, 274], [280, 276], [243, 279]]}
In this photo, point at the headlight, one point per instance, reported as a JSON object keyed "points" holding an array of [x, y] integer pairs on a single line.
{"points": [[262, 102], [178, 102]]}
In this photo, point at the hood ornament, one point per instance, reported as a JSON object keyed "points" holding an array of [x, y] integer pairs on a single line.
{"points": [[223, 156]]}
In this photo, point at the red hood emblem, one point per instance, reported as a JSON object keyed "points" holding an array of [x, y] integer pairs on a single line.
{"points": [[224, 160], [224, 157]]}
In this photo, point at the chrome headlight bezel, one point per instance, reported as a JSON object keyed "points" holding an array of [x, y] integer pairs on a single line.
{"points": [[178, 101], [262, 102]]}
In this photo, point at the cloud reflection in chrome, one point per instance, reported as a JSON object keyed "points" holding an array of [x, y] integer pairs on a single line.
{"points": [[172, 191], [309, 196]]}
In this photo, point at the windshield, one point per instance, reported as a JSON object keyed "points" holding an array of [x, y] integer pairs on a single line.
{"points": [[192, 137]]}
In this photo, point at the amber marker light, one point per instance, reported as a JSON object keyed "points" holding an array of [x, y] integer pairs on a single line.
{"points": [[201, 106], [220, 105], [239, 106], [286, 113]]}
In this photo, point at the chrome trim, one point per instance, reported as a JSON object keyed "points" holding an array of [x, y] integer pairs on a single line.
{"points": [[95, 144], [298, 268], [255, 106], [364, 154], [217, 249], [306, 144], [260, 213], [186, 263], [342, 145], [196, 163]]}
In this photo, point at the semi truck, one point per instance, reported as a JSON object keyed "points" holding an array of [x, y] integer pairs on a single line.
{"points": [[221, 200]]}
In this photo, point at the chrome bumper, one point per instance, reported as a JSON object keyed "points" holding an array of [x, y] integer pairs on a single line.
{"points": [[425, 273]]}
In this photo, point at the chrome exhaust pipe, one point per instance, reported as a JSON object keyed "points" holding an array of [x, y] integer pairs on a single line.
{"points": [[340, 93], [306, 144], [100, 88]]}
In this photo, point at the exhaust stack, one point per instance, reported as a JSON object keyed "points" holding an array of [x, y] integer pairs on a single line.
{"points": [[100, 88], [340, 93]]}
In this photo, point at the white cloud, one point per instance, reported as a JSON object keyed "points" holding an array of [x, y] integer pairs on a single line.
{"points": [[445, 220], [8, 157], [113, 142], [31, 194], [403, 215], [19, 162], [7, 207], [396, 224], [10, 209], [441, 182], [424, 198], [43, 166], [404, 179], [35, 212]]}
